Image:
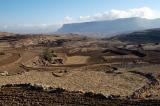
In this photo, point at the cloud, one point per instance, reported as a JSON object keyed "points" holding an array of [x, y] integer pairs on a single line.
{"points": [[68, 19], [85, 17], [143, 12]]}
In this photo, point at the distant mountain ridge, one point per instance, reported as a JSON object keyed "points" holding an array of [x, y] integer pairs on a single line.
{"points": [[145, 36], [111, 26]]}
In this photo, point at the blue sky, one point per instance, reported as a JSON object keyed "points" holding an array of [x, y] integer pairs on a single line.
{"points": [[53, 11], [49, 15]]}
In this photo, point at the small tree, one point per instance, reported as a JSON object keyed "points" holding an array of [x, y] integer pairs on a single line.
{"points": [[47, 55]]}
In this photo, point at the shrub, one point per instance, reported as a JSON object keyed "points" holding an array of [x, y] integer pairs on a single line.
{"points": [[2, 53], [88, 94], [47, 55], [156, 43], [96, 96], [57, 90], [35, 88]]}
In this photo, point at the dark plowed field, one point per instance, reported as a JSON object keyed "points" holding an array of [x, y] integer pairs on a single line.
{"points": [[153, 56], [26, 95]]}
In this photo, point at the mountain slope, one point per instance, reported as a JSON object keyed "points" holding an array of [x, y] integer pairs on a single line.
{"points": [[111, 26], [146, 36]]}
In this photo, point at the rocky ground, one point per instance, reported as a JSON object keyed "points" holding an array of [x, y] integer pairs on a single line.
{"points": [[28, 95]]}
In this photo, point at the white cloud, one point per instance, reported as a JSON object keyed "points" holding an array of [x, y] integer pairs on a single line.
{"points": [[85, 17], [68, 19], [143, 12]]}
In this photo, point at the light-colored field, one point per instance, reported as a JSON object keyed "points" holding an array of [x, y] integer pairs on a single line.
{"points": [[77, 60], [5, 56], [98, 82], [4, 45]]}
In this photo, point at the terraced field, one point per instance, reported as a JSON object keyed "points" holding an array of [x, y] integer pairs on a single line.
{"points": [[11, 62], [122, 76], [11, 59]]}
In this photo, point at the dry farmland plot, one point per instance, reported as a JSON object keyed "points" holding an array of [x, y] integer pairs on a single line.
{"points": [[10, 59], [11, 62], [82, 81]]}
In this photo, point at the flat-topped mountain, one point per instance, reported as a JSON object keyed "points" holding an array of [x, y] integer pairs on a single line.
{"points": [[111, 26]]}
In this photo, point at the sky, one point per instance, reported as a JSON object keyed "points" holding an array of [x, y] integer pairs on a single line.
{"points": [[55, 13]]}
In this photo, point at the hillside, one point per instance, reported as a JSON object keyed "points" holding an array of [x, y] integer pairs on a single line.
{"points": [[146, 36], [111, 26]]}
